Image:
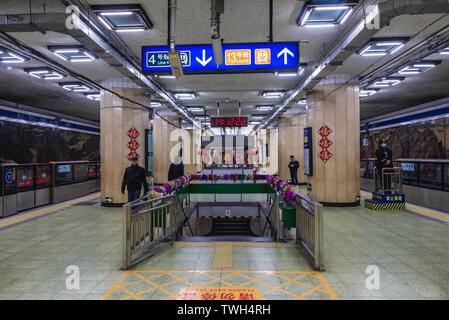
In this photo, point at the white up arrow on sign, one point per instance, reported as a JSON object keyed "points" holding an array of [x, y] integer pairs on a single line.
{"points": [[285, 52], [204, 61]]}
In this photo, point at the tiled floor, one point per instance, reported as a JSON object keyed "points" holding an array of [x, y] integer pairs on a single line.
{"points": [[410, 252]]}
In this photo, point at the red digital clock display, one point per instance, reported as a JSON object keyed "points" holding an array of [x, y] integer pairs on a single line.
{"points": [[229, 122]]}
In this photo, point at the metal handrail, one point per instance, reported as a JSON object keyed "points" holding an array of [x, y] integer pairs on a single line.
{"points": [[147, 226], [309, 229]]}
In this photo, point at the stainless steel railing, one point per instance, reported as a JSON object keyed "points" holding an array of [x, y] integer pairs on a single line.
{"points": [[148, 225], [309, 229]]}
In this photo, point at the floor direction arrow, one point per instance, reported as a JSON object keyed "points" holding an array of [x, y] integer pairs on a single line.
{"points": [[204, 62], [285, 52]]}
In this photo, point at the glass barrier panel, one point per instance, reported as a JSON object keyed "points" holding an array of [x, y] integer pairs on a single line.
{"points": [[366, 169], [43, 176], [1, 180], [430, 175], [446, 177], [98, 171], [10, 180], [63, 174], [92, 171], [80, 173], [409, 173], [25, 181]]}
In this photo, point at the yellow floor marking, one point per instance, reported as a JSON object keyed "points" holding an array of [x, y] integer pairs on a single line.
{"points": [[224, 250], [417, 209], [39, 212], [223, 257], [212, 290]]}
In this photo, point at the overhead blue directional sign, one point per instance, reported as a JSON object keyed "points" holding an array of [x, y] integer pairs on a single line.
{"points": [[249, 57]]}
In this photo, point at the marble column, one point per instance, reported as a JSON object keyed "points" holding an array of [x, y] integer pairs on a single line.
{"points": [[120, 118], [334, 115]]}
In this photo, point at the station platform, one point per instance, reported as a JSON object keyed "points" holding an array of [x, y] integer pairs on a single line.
{"points": [[36, 247]]}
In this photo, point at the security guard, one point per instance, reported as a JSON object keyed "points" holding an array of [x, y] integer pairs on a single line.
{"points": [[384, 158]]}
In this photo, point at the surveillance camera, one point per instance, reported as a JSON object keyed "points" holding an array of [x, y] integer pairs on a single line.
{"points": [[175, 63]]}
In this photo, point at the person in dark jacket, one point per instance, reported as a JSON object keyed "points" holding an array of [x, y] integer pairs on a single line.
{"points": [[134, 179], [384, 158], [176, 169], [293, 166]]}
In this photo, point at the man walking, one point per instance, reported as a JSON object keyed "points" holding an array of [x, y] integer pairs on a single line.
{"points": [[134, 179], [293, 166]]}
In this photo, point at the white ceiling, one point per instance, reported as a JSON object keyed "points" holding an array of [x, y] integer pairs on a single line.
{"points": [[243, 21]]}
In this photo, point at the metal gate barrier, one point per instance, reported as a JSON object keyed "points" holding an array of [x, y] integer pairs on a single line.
{"points": [[309, 229], [148, 225], [389, 181]]}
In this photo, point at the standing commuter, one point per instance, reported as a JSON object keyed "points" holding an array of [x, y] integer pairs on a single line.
{"points": [[176, 169], [293, 166], [134, 179], [384, 158]]}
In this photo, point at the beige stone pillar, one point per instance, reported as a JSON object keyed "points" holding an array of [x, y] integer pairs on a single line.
{"points": [[335, 103], [291, 142], [166, 145], [117, 117]]}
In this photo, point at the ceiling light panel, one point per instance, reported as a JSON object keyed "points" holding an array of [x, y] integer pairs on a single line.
{"points": [[273, 94], [73, 53], [445, 51], [123, 18], [367, 92], [264, 108], [418, 67], [95, 96], [386, 82], [382, 46], [44, 73], [7, 56], [75, 86], [325, 15], [185, 95], [195, 109]]}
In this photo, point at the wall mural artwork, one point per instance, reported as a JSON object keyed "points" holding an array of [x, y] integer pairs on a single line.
{"points": [[133, 145], [25, 143], [421, 140], [325, 143]]}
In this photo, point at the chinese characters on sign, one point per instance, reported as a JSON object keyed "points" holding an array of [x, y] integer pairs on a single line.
{"points": [[222, 293], [325, 143], [133, 145]]}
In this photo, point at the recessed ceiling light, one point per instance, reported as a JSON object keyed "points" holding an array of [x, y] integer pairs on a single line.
{"points": [[123, 18], [258, 116], [165, 76], [185, 95], [445, 51], [325, 15], [382, 46], [254, 123], [8, 56], [264, 108], [75, 86], [286, 74], [195, 109], [302, 101], [419, 67], [73, 53], [155, 104], [44, 73], [367, 92], [387, 82], [93, 96], [201, 117], [273, 94]]}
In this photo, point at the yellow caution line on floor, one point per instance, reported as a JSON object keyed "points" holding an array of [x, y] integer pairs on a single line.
{"points": [[40, 212], [430, 213]]}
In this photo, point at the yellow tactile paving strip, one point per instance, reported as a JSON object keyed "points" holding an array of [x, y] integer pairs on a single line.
{"points": [[417, 209], [39, 212], [294, 285], [223, 257]]}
